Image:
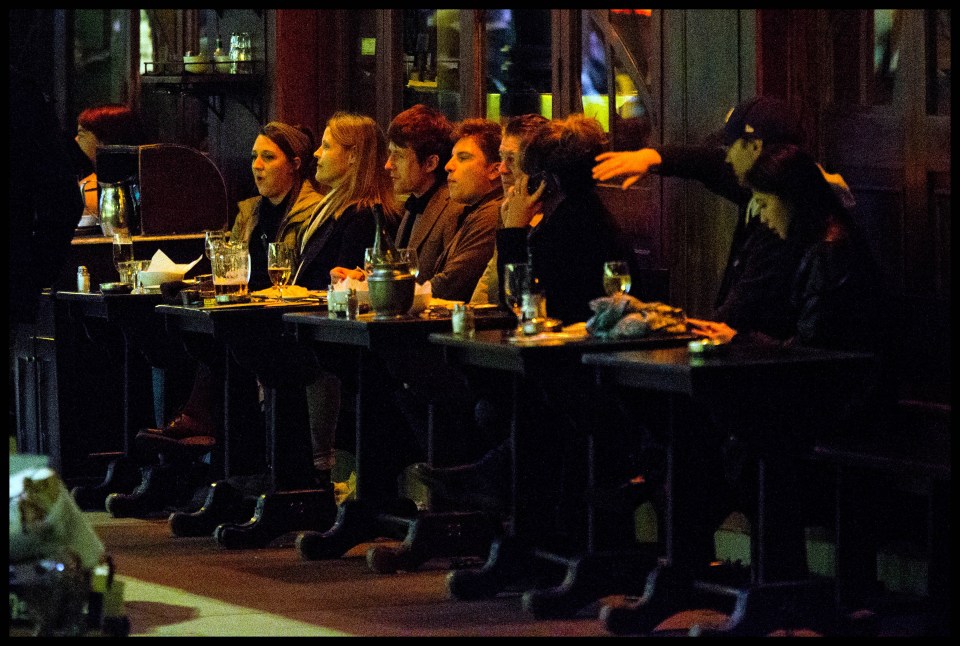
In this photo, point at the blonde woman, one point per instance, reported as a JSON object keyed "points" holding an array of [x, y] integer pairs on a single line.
{"points": [[350, 161]]}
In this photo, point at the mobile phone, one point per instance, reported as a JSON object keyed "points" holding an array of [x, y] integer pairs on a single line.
{"points": [[533, 183]]}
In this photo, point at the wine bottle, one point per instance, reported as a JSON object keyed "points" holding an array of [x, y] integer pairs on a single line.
{"points": [[384, 250]]}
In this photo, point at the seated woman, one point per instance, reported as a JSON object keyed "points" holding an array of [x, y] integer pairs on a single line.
{"points": [[572, 240], [287, 195], [282, 167], [835, 296], [350, 160], [834, 302]]}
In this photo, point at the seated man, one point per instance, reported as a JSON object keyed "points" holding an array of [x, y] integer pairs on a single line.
{"points": [[567, 249], [450, 225]]}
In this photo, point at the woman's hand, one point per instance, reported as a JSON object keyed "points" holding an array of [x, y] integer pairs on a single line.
{"points": [[713, 330], [339, 273], [633, 163], [519, 207]]}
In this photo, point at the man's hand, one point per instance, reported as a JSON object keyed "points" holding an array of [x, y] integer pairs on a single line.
{"points": [[635, 164], [519, 207], [339, 273]]}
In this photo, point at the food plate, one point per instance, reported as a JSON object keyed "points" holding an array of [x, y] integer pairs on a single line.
{"points": [[290, 293]]}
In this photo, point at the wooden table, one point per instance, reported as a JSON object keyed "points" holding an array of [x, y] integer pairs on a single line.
{"points": [[249, 341], [777, 399], [370, 346], [518, 559]]}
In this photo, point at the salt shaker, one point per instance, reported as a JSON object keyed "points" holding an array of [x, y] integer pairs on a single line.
{"points": [[463, 321], [83, 279]]}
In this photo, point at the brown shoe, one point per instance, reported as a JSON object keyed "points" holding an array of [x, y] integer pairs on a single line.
{"points": [[181, 427]]}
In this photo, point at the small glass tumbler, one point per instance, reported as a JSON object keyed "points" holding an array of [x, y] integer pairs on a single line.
{"points": [[463, 320]]}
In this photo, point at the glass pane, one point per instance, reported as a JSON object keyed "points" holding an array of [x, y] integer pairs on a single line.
{"points": [[518, 63], [886, 53], [631, 126], [938, 51], [431, 48], [634, 27], [363, 70], [100, 57], [594, 72], [625, 39]]}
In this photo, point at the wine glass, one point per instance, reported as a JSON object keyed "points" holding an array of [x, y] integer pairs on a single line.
{"points": [[616, 277], [122, 249], [516, 283], [139, 266], [279, 265], [409, 256], [211, 238]]}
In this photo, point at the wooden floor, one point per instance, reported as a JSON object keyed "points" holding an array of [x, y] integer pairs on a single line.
{"points": [[191, 587]]}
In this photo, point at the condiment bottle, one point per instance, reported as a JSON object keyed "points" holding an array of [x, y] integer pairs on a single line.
{"points": [[83, 279]]}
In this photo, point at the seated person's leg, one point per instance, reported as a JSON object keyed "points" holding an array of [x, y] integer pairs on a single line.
{"points": [[323, 411]]}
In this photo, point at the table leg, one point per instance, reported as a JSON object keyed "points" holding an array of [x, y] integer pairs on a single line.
{"points": [[374, 511]]}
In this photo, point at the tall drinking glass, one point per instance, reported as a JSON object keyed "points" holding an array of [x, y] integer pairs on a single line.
{"points": [[409, 256], [231, 270], [122, 249], [211, 238], [279, 265], [516, 283], [369, 255]]}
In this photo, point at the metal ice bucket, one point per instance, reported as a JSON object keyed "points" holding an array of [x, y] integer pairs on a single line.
{"points": [[391, 290]]}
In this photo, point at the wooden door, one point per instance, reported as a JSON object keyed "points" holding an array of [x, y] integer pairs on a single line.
{"points": [[876, 87]]}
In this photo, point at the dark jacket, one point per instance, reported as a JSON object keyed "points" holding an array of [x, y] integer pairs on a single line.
{"points": [[567, 251], [337, 242], [755, 287], [754, 294], [432, 230], [44, 200], [837, 298], [460, 265]]}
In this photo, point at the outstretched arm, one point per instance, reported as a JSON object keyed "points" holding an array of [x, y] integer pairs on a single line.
{"points": [[635, 164]]}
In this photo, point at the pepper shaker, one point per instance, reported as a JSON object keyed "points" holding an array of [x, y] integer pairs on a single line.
{"points": [[83, 279]]}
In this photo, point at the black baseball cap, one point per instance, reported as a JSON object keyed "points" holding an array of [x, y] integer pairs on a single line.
{"points": [[762, 117]]}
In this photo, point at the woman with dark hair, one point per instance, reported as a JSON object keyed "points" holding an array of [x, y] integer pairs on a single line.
{"points": [[112, 124], [283, 169], [834, 297], [288, 194]]}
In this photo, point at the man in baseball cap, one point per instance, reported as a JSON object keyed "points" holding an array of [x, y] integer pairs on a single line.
{"points": [[756, 122], [762, 117]]}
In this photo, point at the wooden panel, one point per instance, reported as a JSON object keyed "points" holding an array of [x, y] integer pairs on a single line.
{"points": [[296, 89], [708, 67], [182, 191], [638, 232]]}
